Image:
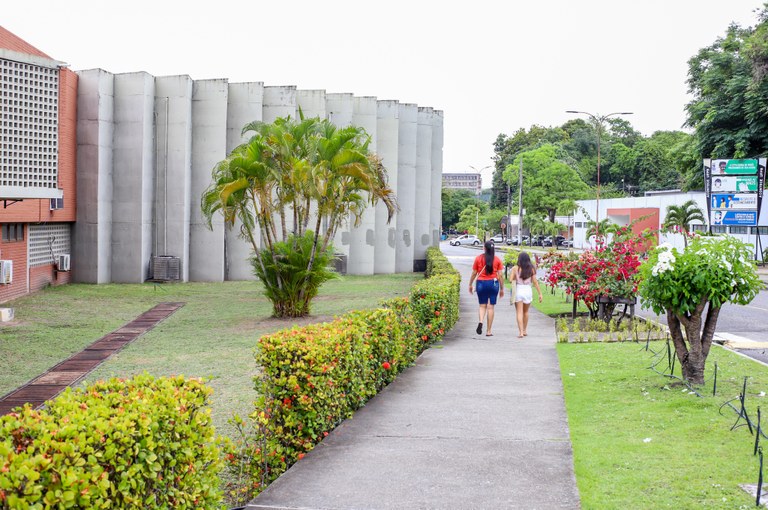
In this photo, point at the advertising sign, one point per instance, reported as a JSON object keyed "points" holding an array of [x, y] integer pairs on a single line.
{"points": [[733, 184], [735, 201], [748, 218], [734, 167]]}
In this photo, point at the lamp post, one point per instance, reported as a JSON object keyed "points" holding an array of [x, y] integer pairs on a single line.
{"points": [[598, 119]]}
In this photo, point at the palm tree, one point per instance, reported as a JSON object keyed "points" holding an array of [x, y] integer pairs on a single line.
{"points": [[300, 170], [603, 228], [681, 216]]}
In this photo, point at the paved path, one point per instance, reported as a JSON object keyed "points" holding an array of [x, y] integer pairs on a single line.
{"points": [[76, 367], [477, 423]]}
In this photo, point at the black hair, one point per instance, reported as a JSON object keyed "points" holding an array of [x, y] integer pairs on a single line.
{"points": [[490, 254], [526, 267]]}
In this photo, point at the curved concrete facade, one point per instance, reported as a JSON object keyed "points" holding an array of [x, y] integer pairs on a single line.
{"points": [[147, 146]]}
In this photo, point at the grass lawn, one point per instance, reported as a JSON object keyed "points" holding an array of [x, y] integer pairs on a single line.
{"points": [[639, 441], [213, 335], [554, 303]]}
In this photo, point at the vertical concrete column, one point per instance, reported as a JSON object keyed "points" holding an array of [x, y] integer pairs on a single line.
{"points": [[133, 178], [92, 250], [387, 126], [436, 203], [406, 187], [340, 108], [209, 146], [245, 104], [279, 101], [362, 238], [422, 237], [312, 104], [173, 142]]}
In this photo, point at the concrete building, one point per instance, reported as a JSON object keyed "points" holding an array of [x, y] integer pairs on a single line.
{"points": [[138, 151], [469, 182]]}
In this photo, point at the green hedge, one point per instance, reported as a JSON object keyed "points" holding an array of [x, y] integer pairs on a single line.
{"points": [[140, 443], [314, 377]]}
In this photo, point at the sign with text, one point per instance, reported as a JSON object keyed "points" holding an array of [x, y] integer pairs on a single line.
{"points": [[735, 201], [734, 189], [748, 218], [732, 184], [734, 166]]}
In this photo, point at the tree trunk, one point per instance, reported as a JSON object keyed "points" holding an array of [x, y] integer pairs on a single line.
{"points": [[689, 349]]}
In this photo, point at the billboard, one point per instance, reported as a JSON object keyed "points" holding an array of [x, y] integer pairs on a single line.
{"points": [[734, 189]]}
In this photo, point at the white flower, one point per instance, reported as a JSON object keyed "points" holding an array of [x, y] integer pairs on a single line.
{"points": [[761, 394], [647, 440], [572, 374]]}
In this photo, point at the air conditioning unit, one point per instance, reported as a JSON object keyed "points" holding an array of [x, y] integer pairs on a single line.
{"points": [[6, 272], [62, 262], [57, 203], [166, 268]]}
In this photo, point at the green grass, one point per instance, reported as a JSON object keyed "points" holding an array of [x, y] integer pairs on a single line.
{"points": [[554, 303], [213, 335], [692, 460]]}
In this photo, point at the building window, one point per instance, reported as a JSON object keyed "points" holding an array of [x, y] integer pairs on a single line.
{"points": [[12, 232], [579, 224], [698, 228], [739, 230], [762, 230], [48, 240], [719, 229]]}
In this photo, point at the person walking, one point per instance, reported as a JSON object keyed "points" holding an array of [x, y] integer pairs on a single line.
{"points": [[487, 268], [524, 275]]}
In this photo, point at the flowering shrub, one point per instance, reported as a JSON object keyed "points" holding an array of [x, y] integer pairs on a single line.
{"points": [[712, 271], [140, 443], [315, 376], [611, 269]]}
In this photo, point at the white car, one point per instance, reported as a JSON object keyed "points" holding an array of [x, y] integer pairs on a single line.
{"points": [[499, 239], [466, 239]]}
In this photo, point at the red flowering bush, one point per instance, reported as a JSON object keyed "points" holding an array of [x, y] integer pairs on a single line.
{"points": [[611, 269]]}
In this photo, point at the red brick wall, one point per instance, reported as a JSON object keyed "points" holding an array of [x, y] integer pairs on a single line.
{"points": [[17, 252], [12, 42], [42, 276]]}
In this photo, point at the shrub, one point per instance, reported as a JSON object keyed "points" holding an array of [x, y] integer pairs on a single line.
{"points": [[140, 443], [315, 376]]}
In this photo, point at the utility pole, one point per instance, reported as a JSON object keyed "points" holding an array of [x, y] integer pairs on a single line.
{"points": [[520, 207], [509, 212]]}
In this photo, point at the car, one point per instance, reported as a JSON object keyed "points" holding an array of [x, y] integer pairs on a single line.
{"points": [[537, 240], [553, 241], [498, 239], [467, 239], [516, 240], [568, 243]]}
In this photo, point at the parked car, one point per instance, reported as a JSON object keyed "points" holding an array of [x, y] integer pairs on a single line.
{"points": [[498, 239], [516, 241], [467, 239], [568, 243], [537, 240], [553, 241]]}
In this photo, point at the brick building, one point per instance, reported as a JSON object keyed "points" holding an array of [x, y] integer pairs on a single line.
{"points": [[38, 120]]}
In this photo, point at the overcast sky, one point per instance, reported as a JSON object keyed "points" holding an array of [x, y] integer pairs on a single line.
{"points": [[492, 67]]}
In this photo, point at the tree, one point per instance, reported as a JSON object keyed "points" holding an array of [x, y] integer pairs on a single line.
{"points": [[547, 180], [680, 217], [454, 201], [729, 84], [292, 185], [712, 271]]}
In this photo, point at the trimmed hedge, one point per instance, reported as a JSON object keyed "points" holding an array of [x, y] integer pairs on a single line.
{"points": [[314, 377], [139, 443]]}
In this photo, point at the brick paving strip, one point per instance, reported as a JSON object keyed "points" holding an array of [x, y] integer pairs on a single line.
{"points": [[76, 367]]}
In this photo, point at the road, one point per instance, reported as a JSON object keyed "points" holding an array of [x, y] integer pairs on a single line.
{"points": [[745, 321]]}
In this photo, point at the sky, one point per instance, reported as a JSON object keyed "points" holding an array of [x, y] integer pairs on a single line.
{"points": [[492, 67]]}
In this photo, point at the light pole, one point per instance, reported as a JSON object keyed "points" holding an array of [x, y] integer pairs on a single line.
{"points": [[598, 119]]}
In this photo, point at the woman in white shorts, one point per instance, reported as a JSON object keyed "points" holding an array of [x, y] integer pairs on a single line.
{"points": [[524, 274]]}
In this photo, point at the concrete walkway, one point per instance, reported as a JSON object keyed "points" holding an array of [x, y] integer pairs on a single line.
{"points": [[477, 423]]}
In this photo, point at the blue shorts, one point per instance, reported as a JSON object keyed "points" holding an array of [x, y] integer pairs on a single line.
{"points": [[487, 290]]}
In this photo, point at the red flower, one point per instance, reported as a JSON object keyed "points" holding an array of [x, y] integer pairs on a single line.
{"points": [[386, 365]]}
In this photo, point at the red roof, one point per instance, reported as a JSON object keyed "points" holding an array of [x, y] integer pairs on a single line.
{"points": [[9, 41]]}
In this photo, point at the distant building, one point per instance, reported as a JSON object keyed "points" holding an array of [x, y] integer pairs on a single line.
{"points": [[471, 182]]}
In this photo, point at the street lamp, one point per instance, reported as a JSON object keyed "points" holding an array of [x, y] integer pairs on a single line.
{"points": [[598, 119]]}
